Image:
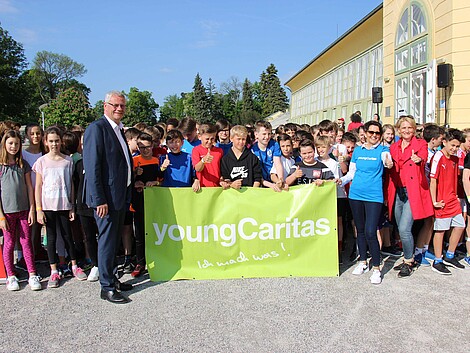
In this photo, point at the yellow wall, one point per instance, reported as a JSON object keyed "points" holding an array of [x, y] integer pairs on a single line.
{"points": [[362, 38], [449, 39]]}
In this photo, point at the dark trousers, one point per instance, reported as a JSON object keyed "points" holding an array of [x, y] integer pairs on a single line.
{"points": [[91, 230], [109, 238], [58, 220], [366, 216], [139, 236]]}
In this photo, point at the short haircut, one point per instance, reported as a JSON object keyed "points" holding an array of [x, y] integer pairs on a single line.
{"points": [[307, 143], [284, 137], [373, 123], [131, 133], [207, 129], [187, 126], [349, 137], [263, 123], [291, 126], [239, 130], [173, 135], [302, 135], [145, 137], [280, 130], [328, 125], [355, 118], [323, 141], [454, 134], [70, 142], [114, 93], [154, 132], [140, 126], [222, 124], [173, 122], [431, 131], [406, 118]]}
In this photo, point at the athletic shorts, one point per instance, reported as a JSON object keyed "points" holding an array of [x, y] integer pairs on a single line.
{"points": [[463, 205], [441, 224]]}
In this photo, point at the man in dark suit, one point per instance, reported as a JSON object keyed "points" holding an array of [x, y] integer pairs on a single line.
{"points": [[108, 178]]}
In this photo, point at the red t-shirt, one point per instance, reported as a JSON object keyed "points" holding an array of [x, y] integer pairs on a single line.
{"points": [[445, 171], [210, 175]]}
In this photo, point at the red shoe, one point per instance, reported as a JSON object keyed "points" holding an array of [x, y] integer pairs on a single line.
{"points": [[138, 270]]}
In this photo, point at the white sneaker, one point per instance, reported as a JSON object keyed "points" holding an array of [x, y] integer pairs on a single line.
{"points": [[376, 277], [12, 283], [35, 282], [94, 274], [361, 268]]}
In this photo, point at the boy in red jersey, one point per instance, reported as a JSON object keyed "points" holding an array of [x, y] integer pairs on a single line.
{"points": [[447, 210]]}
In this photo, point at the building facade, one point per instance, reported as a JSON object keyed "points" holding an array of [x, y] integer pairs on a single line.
{"points": [[399, 46]]}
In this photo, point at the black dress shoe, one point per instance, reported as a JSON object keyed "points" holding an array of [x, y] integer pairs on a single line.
{"points": [[123, 286], [113, 296]]}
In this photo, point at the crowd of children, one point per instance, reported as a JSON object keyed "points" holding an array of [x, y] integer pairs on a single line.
{"points": [[417, 175]]}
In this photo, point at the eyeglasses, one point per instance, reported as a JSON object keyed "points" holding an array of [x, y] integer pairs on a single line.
{"points": [[224, 130], [115, 106], [145, 147], [377, 133]]}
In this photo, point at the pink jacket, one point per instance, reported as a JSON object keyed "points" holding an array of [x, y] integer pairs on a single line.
{"points": [[417, 185]]}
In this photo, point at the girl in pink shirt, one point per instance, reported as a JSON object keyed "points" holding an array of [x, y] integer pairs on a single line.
{"points": [[54, 195]]}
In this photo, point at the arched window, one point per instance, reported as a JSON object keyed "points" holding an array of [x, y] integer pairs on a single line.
{"points": [[411, 60]]}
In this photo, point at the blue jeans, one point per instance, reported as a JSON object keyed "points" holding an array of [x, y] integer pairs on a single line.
{"points": [[366, 217], [405, 221]]}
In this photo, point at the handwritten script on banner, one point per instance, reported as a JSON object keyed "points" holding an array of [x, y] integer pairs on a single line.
{"points": [[252, 232]]}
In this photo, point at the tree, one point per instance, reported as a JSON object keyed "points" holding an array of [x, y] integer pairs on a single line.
{"points": [[173, 107], [233, 88], [248, 112], [274, 96], [55, 73], [140, 107], [200, 102], [12, 63], [70, 108]]}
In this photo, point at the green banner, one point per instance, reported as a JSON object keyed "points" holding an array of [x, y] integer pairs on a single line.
{"points": [[252, 232]]}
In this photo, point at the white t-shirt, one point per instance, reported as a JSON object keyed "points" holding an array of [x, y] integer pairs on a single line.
{"points": [[336, 170]]}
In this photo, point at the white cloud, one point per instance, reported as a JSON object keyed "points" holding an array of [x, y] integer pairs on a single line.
{"points": [[200, 44], [7, 7]]}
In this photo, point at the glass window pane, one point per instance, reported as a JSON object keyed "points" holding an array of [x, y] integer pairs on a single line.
{"points": [[401, 60], [419, 53], [401, 96], [402, 31], [418, 21]]}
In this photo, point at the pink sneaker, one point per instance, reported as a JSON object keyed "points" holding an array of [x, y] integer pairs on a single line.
{"points": [[79, 274], [53, 281]]}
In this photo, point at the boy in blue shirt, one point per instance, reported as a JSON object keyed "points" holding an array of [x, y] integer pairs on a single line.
{"points": [[176, 166], [269, 154]]}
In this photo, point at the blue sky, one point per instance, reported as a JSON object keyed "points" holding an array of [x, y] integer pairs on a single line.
{"points": [[160, 46]]}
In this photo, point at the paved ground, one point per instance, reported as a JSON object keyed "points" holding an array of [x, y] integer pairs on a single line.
{"points": [[425, 313]]}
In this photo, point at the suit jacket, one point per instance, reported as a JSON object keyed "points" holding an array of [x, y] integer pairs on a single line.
{"points": [[105, 167]]}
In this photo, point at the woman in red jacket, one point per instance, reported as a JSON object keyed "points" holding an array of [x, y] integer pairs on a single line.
{"points": [[408, 193]]}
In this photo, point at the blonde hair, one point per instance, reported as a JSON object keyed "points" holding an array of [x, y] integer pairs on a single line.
{"points": [[239, 130], [406, 118], [323, 141]]}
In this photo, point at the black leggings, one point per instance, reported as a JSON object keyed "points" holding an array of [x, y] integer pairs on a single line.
{"points": [[91, 230], [58, 219]]}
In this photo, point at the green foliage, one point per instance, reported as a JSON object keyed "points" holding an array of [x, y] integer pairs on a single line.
{"points": [[173, 107], [70, 108], [249, 114], [12, 62], [98, 109], [274, 97], [54, 73], [200, 102], [140, 107]]}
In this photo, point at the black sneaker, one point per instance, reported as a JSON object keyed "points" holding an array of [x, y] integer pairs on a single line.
{"points": [[440, 268], [400, 266], [406, 270], [391, 251], [128, 267], [453, 262]]}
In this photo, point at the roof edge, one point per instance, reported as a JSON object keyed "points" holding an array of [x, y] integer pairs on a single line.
{"points": [[345, 34]]}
